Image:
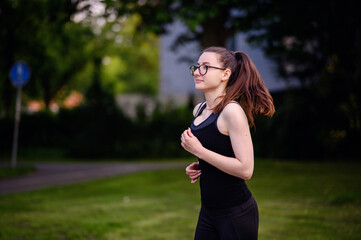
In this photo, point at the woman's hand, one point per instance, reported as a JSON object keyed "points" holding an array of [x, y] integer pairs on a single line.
{"points": [[191, 143], [193, 172]]}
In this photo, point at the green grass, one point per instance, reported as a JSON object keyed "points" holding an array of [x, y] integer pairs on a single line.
{"points": [[297, 200]]}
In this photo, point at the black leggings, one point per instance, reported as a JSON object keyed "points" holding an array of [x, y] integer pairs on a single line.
{"points": [[235, 223]]}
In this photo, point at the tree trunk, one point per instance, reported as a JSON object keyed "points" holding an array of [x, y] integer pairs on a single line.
{"points": [[215, 33]]}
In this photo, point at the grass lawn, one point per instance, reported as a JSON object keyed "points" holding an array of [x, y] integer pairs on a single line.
{"points": [[297, 200]]}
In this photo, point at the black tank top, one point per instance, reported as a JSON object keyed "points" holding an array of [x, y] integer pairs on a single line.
{"points": [[218, 189]]}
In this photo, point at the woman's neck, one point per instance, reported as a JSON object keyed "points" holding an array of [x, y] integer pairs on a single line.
{"points": [[213, 98]]}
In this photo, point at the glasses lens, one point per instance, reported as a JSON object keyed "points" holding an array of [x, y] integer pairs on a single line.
{"points": [[203, 69], [192, 69]]}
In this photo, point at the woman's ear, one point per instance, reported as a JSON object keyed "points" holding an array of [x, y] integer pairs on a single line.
{"points": [[227, 73]]}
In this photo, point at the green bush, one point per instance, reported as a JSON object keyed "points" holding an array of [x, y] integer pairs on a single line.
{"points": [[92, 132], [302, 127], [305, 126]]}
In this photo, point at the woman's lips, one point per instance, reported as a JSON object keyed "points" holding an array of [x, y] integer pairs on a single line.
{"points": [[198, 80]]}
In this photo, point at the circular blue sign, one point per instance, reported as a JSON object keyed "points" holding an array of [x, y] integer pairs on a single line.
{"points": [[19, 74]]}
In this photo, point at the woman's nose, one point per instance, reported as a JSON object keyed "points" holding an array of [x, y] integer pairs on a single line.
{"points": [[196, 72]]}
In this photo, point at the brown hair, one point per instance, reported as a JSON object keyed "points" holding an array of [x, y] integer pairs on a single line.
{"points": [[244, 86]]}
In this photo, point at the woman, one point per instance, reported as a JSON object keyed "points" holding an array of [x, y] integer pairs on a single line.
{"points": [[220, 138]]}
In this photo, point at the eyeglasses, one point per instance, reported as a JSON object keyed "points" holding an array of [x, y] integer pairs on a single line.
{"points": [[202, 69]]}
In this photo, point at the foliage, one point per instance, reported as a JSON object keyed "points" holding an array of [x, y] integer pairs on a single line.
{"points": [[42, 34], [129, 59], [99, 129], [317, 43], [314, 43], [164, 205], [60, 47], [299, 129], [209, 22]]}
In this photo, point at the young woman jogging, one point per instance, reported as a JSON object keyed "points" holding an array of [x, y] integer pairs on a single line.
{"points": [[220, 138]]}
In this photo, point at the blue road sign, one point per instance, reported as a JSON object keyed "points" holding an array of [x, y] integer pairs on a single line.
{"points": [[19, 74]]}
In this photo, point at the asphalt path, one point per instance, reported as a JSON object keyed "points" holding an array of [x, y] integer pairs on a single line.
{"points": [[57, 174]]}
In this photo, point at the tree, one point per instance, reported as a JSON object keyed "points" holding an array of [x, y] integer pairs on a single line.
{"points": [[210, 22], [316, 43], [130, 58], [43, 34], [60, 41]]}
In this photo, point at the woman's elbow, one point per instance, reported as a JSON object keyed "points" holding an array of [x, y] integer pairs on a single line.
{"points": [[245, 170], [247, 175]]}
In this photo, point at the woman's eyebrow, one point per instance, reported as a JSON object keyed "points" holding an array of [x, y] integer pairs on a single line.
{"points": [[203, 63]]}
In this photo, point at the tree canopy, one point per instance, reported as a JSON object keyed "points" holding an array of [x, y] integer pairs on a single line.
{"points": [[42, 34], [60, 40], [316, 43]]}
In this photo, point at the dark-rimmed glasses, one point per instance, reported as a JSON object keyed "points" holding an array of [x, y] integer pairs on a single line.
{"points": [[202, 69]]}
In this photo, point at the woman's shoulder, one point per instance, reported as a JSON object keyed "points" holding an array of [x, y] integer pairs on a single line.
{"points": [[197, 108], [233, 110], [232, 118], [233, 106]]}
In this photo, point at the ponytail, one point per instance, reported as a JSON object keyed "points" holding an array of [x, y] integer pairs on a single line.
{"points": [[244, 86]]}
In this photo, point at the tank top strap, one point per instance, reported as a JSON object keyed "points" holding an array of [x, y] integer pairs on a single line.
{"points": [[200, 109]]}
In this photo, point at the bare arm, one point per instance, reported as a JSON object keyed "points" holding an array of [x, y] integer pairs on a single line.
{"points": [[193, 170], [236, 124]]}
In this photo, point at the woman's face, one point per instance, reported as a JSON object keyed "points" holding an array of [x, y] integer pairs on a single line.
{"points": [[213, 78]]}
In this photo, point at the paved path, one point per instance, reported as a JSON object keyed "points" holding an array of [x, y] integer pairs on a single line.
{"points": [[56, 174]]}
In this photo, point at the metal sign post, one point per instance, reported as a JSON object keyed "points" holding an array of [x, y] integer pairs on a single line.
{"points": [[19, 76], [16, 128]]}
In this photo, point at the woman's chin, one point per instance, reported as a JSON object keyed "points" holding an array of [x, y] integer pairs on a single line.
{"points": [[198, 87]]}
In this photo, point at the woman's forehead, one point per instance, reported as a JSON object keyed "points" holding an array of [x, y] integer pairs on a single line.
{"points": [[208, 57]]}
